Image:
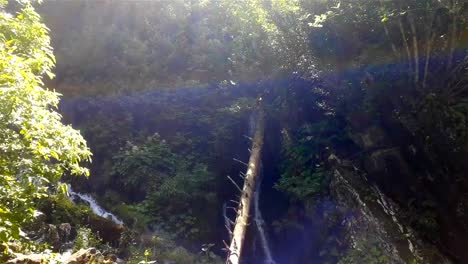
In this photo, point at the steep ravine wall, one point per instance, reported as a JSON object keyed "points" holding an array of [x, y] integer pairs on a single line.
{"points": [[420, 193], [372, 219]]}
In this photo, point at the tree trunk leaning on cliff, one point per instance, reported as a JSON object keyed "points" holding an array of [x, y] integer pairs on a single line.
{"points": [[247, 194]]}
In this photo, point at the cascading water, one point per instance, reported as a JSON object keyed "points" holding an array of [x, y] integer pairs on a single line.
{"points": [[95, 207], [227, 221], [258, 219], [259, 223], [390, 211]]}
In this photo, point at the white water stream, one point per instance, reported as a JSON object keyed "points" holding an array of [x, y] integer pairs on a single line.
{"points": [[390, 211], [259, 223], [258, 219], [95, 207]]}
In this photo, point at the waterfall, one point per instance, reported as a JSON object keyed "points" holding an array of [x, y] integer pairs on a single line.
{"points": [[95, 207], [390, 211], [227, 221], [259, 223]]}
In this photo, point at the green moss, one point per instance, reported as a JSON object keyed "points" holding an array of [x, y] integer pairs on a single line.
{"points": [[59, 209]]}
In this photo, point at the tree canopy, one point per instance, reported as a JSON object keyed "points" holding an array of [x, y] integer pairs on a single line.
{"points": [[163, 92], [36, 148]]}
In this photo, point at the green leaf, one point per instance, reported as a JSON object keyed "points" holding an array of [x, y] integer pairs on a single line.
{"points": [[31, 128]]}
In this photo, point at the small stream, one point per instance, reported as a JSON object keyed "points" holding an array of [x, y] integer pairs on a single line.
{"points": [[259, 224], [263, 242], [95, 207]]}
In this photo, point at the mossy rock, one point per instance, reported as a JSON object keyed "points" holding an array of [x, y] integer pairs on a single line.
{"points": [[59, 209], [107, 230]]}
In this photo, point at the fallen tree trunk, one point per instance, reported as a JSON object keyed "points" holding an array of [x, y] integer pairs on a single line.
{"points": [[247, 194]]}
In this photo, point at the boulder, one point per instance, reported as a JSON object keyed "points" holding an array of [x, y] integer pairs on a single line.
{"points": [[27, 259], [85, 256], [51, 235], [82, 256], [108, 231], [64, 231]]}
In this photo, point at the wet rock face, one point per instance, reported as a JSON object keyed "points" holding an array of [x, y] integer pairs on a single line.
{"points": [[373, 228], [384, 162], [388, 168], [364, 231], [381, 160], [370, 138], [428, 196]]}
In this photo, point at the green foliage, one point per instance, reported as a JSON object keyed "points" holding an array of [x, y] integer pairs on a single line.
{"points": [[133, 215], [59, 209], [162, 249], [175, 190], [127, 46], [36, 148], [85, 238], [369, 254], [181, 255], [444, 128], [304, 184], [303, 172], [241, 105], [177, 204], [151, 161], [178, 43]]}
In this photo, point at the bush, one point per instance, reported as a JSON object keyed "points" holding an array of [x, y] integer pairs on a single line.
{"points": [[85, 238], [174, 190], [303, 174]]}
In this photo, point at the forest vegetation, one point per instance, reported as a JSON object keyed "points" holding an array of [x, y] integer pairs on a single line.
{"points": [[332, 131]]}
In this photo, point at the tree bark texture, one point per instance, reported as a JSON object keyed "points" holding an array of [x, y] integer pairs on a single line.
{"points": [[243, 218]]}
